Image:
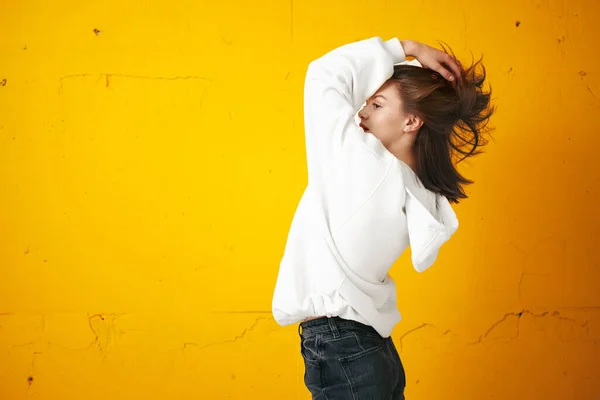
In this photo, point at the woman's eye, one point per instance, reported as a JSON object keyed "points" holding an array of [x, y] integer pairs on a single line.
{"points": [[376, 105]]}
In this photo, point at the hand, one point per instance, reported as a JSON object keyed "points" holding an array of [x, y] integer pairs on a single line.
{"points": [[445, 64]]}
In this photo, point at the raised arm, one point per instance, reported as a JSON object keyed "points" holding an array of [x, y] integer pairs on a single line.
{"points": [[340, 82], [336, 86]]}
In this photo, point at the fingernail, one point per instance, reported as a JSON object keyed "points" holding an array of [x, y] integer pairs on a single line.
{"points": [[451, 77]]}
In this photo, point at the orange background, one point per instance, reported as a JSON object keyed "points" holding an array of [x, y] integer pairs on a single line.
{"points": [[149, 173]]}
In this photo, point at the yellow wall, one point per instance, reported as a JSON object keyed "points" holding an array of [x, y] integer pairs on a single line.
{"points": [[149, 173]]}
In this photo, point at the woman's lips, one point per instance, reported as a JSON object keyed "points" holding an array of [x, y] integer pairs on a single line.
{"points": [[364, 127]]}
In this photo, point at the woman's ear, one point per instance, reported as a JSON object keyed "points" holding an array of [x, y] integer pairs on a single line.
{"points": [[413, 124]]}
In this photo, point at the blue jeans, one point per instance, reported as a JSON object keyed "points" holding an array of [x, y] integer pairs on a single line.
{"points": [[346, 360]]}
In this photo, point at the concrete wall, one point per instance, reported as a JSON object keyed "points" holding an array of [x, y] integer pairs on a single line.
{"points": [[152, 156]]}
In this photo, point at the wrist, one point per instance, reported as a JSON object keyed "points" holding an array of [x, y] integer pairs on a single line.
{"points": [[410, 47]]}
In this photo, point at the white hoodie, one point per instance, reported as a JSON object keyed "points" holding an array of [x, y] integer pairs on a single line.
{"points": [[362, 206]]}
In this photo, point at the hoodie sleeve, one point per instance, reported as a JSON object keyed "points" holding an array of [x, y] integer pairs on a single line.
{"points": [[336, 86], [428, 228]]}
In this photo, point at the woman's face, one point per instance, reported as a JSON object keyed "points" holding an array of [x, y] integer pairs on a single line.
{"points": [[382, 116]]}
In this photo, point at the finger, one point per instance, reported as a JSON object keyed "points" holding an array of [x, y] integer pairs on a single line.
{"points": [[444, 72], [456, 67]]}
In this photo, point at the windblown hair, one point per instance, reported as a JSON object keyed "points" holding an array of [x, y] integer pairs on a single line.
{"points": [[455, 120]]}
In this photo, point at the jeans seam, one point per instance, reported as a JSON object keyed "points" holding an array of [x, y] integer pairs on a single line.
{"points": [[335, 339], [390, 365], [350, 381], [358, 342], [362, 353], [401, 371]]}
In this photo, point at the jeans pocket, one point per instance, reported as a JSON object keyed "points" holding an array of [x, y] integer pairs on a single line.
{"points": [[309, 349], [368, 372]]}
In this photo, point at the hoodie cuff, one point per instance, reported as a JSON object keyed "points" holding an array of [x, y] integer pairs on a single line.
{"points": [[394, 47]]}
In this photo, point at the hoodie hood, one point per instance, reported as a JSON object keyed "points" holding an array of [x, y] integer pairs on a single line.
{"points": [[430, 220]]}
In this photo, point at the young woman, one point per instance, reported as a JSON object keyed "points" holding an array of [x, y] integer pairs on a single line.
{"points": [[374, 188]]}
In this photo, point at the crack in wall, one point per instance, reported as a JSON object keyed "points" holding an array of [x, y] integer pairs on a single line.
{"points": [[96, 337], [527, 254], [242, 312], [505, 317], [106, 77], [583, 76], [238, 337], [518, 315], [102, 339], [425, 325], [519, 289]]}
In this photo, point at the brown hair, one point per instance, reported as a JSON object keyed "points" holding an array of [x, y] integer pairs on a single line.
{"points": [[454, 122]]}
